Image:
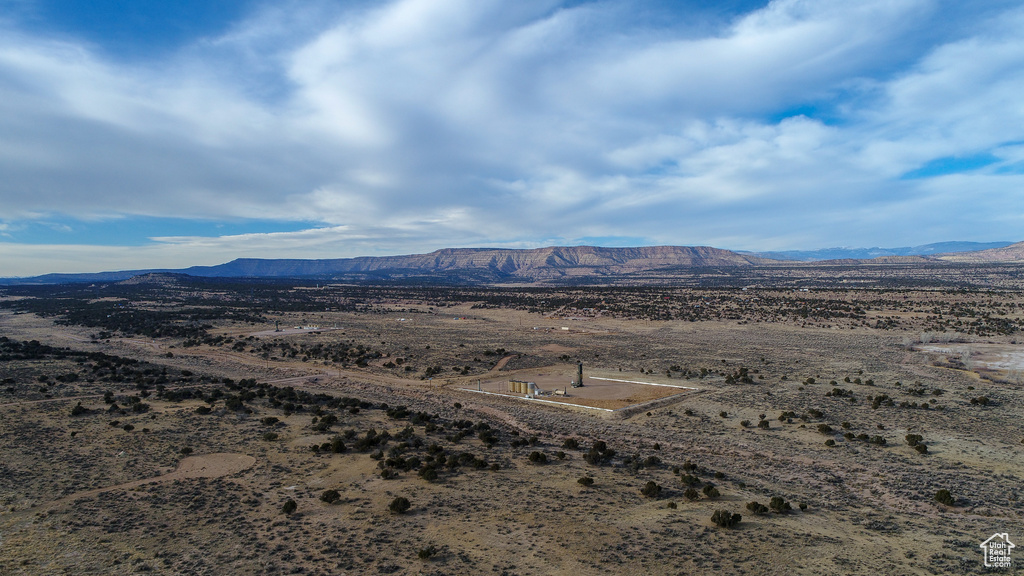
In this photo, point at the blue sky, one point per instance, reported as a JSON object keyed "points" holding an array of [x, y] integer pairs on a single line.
{"points": [[137, 134]]}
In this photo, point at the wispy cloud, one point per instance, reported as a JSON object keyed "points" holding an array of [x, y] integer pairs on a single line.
{"points": [[410, 125]]}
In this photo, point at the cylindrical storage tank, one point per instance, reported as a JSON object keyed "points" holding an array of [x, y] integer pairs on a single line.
{"points": [[531, 389]]}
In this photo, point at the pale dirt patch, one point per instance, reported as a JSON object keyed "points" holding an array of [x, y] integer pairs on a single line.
{"points": [[209, 466], [203, 466], [1007, 359], [556, 348]]}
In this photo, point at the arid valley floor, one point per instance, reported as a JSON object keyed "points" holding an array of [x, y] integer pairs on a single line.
{"points": [[163, 426]]}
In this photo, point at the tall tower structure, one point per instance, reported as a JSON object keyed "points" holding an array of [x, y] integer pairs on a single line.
{"points": [[577, 382]]}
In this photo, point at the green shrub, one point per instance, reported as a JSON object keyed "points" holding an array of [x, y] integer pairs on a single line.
{"points": [[598, 454], [691, 494], [725, 519], [944, 497], [399, 505], [488, 437], [756, 508], [337, 445], [330, 496], [426, 553], [779, 504], [585, 481], [538, 457], [289, 506], [651, 489]]}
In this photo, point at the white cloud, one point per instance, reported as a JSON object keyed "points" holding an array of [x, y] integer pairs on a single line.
{"points": [[417, 124], [961, 99]]}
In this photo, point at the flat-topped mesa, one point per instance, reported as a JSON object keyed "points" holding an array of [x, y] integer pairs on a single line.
{"points": [[538, 262]]}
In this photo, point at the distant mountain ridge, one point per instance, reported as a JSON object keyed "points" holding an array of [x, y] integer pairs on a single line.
{"points": [[871, 253], [488, 264], [554, 263]]}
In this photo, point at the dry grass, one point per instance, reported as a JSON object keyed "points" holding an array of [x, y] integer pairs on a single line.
{"points": [[82, 505]]}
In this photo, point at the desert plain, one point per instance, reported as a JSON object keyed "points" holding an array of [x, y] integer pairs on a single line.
{"points": [[168, 425]]}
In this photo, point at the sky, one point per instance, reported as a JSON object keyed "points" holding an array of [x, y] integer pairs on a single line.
{"points": [[150, 134]]}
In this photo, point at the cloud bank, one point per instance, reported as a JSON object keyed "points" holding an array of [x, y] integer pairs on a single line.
{"points": [[412, 125]]}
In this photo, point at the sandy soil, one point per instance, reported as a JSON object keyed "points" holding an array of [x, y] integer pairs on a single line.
{"points": [[73, 505]]}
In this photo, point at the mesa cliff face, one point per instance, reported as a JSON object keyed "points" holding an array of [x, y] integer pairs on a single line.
{"points": [[539, 263], [570, 264]]}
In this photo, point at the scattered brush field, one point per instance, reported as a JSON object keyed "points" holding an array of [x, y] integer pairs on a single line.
{"points": [[169, 427]]}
